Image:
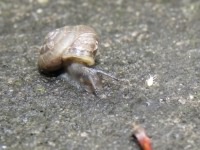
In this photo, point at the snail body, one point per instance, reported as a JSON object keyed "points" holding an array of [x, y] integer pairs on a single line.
{"points": [[73, 48]]}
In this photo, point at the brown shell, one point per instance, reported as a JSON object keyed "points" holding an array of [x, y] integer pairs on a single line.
{"points": [[67, 45]]}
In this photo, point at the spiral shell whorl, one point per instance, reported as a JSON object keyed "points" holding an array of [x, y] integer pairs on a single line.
{"points": [[67, 45]]}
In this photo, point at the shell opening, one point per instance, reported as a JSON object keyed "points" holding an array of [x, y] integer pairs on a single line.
{"points": [[80, 56]]}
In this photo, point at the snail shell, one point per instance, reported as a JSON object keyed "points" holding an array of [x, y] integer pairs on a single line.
{"points": [[73, 48], [67, 45]]}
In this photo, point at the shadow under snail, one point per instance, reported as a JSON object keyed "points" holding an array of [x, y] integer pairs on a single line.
{"points": [[73, 48]]}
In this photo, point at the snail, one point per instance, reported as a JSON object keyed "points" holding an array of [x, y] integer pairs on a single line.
{"points": [[73, 48]]}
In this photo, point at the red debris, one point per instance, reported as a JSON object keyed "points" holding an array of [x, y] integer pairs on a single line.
{"points": [[142, 139]]}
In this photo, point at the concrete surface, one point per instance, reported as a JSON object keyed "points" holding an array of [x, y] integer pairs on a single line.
{"points": [[138, 39]]}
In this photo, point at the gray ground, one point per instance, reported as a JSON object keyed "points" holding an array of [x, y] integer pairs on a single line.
{"points": [[139, 38]]}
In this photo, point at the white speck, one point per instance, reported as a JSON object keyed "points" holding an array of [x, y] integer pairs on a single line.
{"points": [[51, 143], [25, 120], [57, 121], [43, 1], [148, 103], [4, 146], [182, 101], [84, 134], [150, 80], [39, 11], [161, 100], [191, 96]]}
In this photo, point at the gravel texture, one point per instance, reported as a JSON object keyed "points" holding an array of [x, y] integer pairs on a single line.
{"points": [[140, 40]]}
